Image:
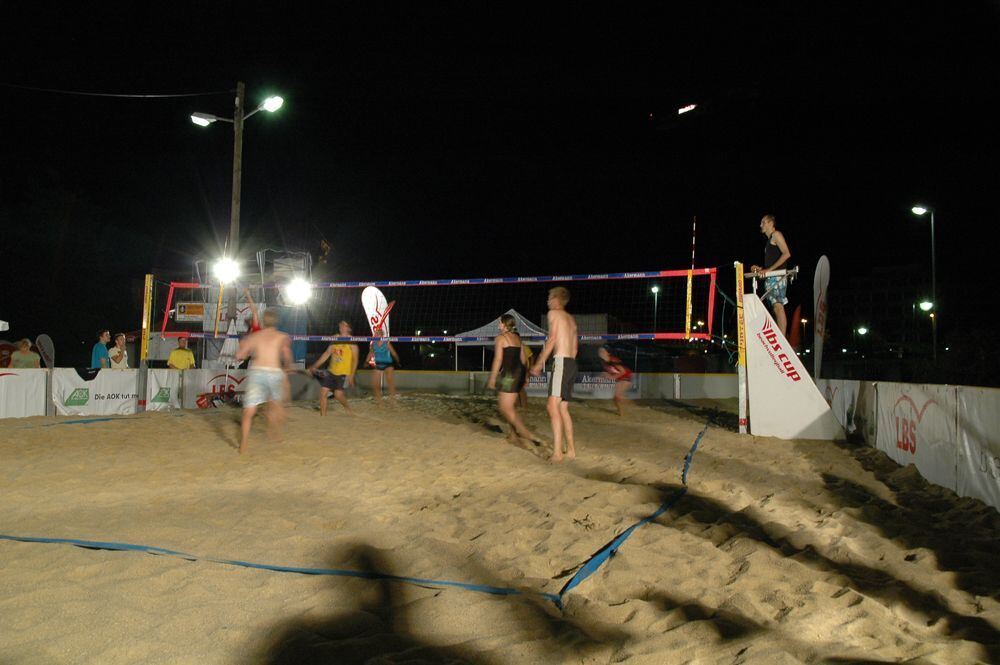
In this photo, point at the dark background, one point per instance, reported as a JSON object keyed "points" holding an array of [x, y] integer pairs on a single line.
{"points": [[481, 139]]}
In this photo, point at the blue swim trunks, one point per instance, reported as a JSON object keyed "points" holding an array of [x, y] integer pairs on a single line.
{"points": [[776, 290], [264, 385]]}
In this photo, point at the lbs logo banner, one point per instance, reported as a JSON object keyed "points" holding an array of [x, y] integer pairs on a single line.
{"points": [[775, 349]]}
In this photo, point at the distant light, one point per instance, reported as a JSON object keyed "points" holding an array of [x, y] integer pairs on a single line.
{"points": [[805, 321], [445, 332], [919, 210], [685, 109], [418, 332], [432, 355], [946, 348], [862, 331], [701, 323], [655, 290], [226, 270], [932, 315], [843, 350], [203, 119], [272, 104], [926, 306], [298, 291]]}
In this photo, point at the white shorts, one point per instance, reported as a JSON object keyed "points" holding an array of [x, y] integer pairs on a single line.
{"points": [[264, 384]]}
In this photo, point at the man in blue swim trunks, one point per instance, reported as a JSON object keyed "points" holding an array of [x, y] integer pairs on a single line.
{"points": [[271, 353], [776, 255]]}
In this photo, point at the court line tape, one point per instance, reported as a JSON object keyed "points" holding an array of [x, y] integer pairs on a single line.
{"points": [[589, 567], [598, 558], [369, 575]]}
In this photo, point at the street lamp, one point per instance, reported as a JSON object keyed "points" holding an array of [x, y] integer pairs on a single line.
{"points": [[804, 322], [921, 211], [862, 331], [271, 104], [656, 302]]}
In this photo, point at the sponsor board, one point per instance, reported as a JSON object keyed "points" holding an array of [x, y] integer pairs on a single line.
{"points": [[108, 392], [588, 385], [784, 402], [163, 388], [917, 426], [979, 444], [22, 393]]}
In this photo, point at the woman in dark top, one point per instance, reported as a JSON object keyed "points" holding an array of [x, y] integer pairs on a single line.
{"points": [[508, 375]]}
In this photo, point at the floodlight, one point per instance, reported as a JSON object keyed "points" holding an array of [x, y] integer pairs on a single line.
{"points": [[685, 109], [203, 119], [926, 306], [226, 270], [298, 291], [919, 210], [272, 104]]}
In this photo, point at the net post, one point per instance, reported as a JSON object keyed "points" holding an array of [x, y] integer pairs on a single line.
{"points": [[687, 309], [711, 301], [218, 309], [742, 340], [147, 311]]}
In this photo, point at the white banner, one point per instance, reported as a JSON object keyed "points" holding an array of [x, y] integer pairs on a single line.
{"points": [[784, 402], [979, 444], [842, 396], [163, 387], [821, 281], [201, 387], [22, 393], [866, 411], [97, 392], [588, 385], [916, 425]]}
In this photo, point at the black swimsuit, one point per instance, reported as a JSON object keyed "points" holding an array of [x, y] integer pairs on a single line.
{"points": [[511, 371]]}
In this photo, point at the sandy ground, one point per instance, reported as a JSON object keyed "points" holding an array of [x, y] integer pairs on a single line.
{"points": [[780, 552]]}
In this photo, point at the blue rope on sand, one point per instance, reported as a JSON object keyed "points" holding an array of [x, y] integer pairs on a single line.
{"points": [[368, 575], [588, 568], [610, 549]]}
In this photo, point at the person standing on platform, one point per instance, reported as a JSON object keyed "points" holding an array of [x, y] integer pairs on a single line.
{"points": [[99, 358], [341, 372], [562, 345], [181, 357], [776, 255]]}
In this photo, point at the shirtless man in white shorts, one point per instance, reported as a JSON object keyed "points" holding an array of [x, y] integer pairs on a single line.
{"points": [[561, 344], [271, 353]]}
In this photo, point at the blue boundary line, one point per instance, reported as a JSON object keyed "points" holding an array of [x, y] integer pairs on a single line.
{"points": [[586, 570], [610, 549]]}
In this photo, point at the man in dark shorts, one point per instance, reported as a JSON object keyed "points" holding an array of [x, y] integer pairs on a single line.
{"points": [[562, 345], [339, 375]]}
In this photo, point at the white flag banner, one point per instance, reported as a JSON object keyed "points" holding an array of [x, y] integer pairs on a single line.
{"points": [[22, 393], [916, 425], [163, 387], [377, 310], [784, 401], [821, 282], [979, 444], [104, 392]]}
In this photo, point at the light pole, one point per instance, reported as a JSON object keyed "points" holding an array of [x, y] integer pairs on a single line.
{"points": [[271, 104], [920, 211], [656, 302]]}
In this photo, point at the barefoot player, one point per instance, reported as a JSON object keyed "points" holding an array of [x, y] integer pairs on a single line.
{"points": [[271, 353], [561, 344]]}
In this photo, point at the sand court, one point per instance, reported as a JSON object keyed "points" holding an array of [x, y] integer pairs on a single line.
{"points": [[777, 552]]}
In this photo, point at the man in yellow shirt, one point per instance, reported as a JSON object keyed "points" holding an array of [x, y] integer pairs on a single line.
{"points": [[340, 372], [181, 357]]}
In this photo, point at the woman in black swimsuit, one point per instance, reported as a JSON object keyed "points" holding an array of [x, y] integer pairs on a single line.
{"points": [[508, 375]]}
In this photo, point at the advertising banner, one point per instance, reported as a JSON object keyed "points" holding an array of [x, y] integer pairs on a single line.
{"points": [[22, 393], [784, 401], [588, 385], [866, 411], [916, 425], [205, 388], [821, 282], [979, 444], [163, 387], [842, 396], [91, 392]]}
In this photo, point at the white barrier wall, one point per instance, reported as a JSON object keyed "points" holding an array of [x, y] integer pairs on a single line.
{"points": [[109, 392], [200, 385], [22, 392], [917, 425], [978, 464], [163, 389]]}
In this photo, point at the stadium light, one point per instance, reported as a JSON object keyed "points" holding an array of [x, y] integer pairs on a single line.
{"points": [[226, 270], [926, 306], [298, 291], [920, 211], [271, 104]]}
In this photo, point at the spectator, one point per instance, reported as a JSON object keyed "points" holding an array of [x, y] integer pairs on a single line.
{"points": [[118, 354], [181, 357], [24, 357], [99, 358]]}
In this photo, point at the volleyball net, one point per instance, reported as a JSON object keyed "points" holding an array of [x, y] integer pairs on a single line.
{"points": [[646, 305]]}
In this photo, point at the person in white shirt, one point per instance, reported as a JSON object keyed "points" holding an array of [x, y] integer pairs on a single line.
{"points": [[119, 356]]}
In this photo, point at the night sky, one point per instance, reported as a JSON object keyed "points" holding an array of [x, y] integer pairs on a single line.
{"points": [[481, 139]]}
